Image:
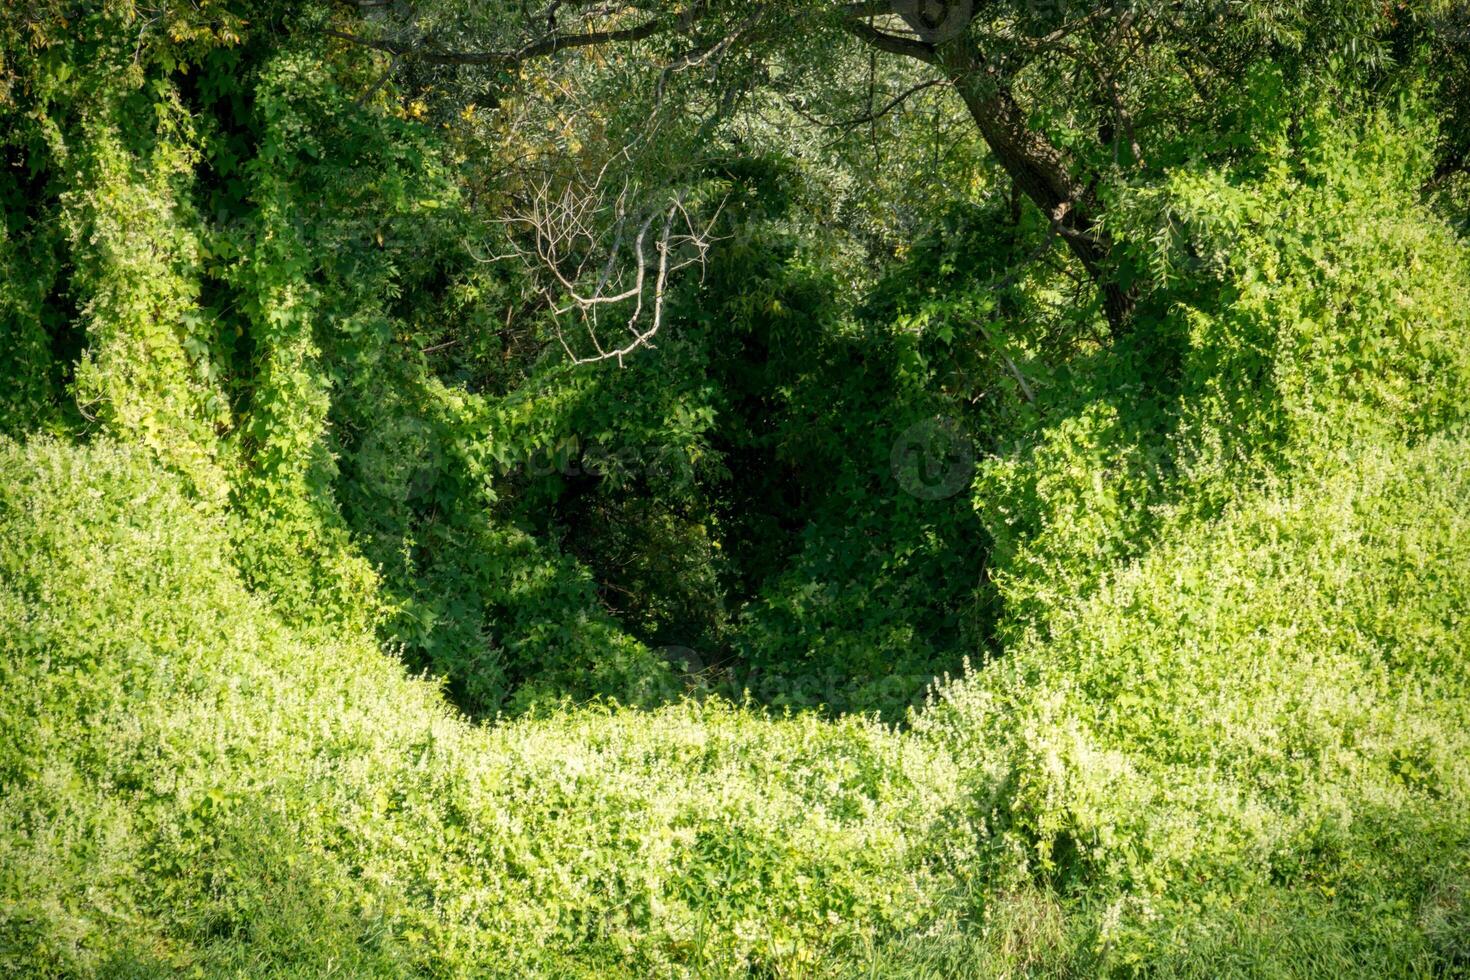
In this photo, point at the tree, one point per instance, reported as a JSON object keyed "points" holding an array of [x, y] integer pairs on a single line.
{"points": [[1071, 100]]}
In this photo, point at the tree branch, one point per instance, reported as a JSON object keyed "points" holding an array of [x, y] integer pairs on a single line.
{"points": [[564, 238], [540, 48], [891, 43]]}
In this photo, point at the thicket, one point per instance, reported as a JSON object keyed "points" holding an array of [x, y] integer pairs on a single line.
{"points": [[350, 628]]}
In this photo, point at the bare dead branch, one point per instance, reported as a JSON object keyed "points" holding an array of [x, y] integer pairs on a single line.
{"points": [[562, 236]]}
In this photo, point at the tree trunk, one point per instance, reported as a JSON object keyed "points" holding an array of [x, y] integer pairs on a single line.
{"points": [[1039, 169]]}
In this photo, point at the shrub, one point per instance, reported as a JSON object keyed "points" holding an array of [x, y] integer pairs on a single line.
{"points": [[1236, 682], [190, 784]]}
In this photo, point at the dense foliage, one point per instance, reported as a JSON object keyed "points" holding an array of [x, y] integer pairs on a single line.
{"points": [[1031, 539]]}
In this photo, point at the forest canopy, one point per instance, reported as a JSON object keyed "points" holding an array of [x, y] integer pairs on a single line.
{"points": [[781, 488]]}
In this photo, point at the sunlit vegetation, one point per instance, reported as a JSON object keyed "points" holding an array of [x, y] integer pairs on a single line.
{"points": [[773, 489]]}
